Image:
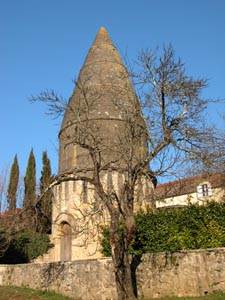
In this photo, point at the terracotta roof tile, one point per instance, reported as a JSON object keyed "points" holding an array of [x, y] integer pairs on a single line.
{"points": [[188, 185]]}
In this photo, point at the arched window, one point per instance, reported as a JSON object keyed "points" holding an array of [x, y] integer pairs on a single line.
{"points": [[65, 242]]}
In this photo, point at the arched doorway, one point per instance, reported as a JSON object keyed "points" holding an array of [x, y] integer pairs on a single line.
{"points": [[65, 242]]}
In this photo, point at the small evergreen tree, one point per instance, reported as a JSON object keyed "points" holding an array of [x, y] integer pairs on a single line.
{"points": [[45, 205], [30, 183], [46, 173], [13, 185]]}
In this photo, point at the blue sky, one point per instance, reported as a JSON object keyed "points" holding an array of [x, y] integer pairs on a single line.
{"points": [[43, 44]]}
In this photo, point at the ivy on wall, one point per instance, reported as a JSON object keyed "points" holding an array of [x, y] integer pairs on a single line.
{"points": [[191, 227]]}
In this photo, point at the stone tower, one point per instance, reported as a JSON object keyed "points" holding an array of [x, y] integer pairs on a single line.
{"points": [[103, 113]]}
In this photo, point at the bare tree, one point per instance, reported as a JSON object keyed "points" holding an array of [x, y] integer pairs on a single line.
{"points": [[9, 220], [174, 130], [216, 161], [213, 158], [3, 242], [3, 202], [176, 113]]}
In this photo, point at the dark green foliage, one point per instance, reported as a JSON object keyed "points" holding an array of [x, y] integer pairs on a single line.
{"points": [[46, 173], [25, 246], [192, 227], [30, 183], [105, 245], [23, 231], [13, 185], [44, 207]]}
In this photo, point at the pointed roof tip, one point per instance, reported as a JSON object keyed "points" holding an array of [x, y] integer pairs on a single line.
{"points": [[102, 30], [102, 37]]}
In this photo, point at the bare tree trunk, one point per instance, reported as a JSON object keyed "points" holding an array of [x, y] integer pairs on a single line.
{"points": [[123, 274], [119, 242]]}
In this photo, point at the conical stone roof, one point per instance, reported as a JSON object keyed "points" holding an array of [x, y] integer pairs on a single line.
{"points": [[99, 110]]}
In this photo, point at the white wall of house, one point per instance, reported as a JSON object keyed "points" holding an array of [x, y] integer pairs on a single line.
{"points": [[215, 194]]}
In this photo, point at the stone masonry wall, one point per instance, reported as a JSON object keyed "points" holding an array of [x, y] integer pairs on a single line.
{"points": [[183, 273], [179, 273], [84, 279]]}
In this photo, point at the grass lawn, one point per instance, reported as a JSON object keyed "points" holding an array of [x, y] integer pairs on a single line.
{"points": [[214, 296], [22, 293]]}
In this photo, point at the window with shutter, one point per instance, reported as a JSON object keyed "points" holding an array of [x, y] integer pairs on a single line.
{"points": [[204, 190], [209, 189], [199, 191]]}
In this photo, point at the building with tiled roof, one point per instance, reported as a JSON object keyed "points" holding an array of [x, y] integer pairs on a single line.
{"points": [[197, 189]]}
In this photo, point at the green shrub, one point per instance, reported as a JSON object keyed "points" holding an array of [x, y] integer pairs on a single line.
{"points": [[191, 227], [105, 245], [25, 246]]}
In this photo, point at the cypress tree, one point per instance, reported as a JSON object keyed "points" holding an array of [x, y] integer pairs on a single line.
{"points": [[45, 206], [30, 183], [46, 173], [13, 185]]}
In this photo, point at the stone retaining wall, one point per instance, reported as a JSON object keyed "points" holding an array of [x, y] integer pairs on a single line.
{"points": [[179, 273], [183, 273]]}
